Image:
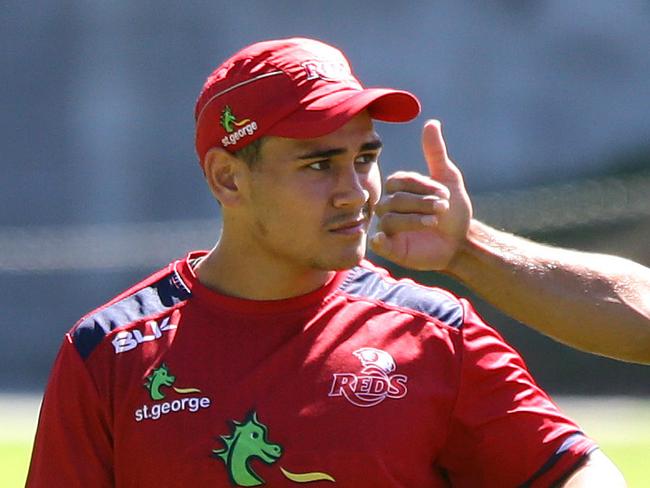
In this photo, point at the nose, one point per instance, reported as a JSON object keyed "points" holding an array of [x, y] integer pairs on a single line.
{"points": [[350, 190]]}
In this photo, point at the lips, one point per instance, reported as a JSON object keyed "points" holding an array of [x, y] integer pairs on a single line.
{"points": [[350, 224]]}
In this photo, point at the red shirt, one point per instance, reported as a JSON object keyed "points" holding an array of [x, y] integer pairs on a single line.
{"points": [[366, 382]]}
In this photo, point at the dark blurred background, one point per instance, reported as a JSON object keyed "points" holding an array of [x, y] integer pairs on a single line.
{"points": [[545, 106]]}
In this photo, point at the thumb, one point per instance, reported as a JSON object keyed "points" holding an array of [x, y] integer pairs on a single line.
{"points": [[435, 151]]}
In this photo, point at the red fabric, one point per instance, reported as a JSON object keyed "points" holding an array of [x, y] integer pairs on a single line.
{"points": [[456, 405], [504, 428], [74, 442], [299, 88]]}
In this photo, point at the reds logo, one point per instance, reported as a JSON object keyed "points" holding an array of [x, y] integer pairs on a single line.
{"points": [[374, 384], [329, 71]]}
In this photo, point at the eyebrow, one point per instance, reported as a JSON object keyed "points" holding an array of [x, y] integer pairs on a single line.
{"points": [[373, 145]]}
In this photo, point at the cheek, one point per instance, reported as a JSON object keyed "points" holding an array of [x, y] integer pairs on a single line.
{"points": [[294, 205]]}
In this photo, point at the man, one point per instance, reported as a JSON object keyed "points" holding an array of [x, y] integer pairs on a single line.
{"points": [[594, 302], [280, 357]]}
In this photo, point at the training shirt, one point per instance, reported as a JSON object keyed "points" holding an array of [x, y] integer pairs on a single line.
{"points": [[366, 382]]}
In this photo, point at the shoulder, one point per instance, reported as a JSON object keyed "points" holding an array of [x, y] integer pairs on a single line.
{"points": [[370, 282], [151, 297]]}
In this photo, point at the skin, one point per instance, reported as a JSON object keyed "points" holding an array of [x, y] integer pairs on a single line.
{"points": [[425, 223], [593, 302], [424, 219], [598, 471], [296, 215], [303, 211]]}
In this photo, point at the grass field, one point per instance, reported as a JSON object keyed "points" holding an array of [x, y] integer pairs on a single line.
{"points": [[620, 425]]}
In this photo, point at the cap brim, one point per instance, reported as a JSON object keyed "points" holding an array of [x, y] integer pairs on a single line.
{"points": [[382, 104]]}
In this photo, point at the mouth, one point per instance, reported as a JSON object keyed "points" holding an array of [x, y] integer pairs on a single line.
{"points": [[350, 227], [272, 453], [355, 224]]}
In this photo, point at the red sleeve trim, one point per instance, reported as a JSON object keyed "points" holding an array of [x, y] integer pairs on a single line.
{"points": [[569, 456]]}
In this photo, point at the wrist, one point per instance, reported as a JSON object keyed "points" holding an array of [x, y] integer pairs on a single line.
{"points": [[470, 248]]}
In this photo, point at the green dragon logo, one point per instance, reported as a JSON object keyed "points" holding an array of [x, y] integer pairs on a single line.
{"points": [[228, 120], [160, 377], [249, 440]]}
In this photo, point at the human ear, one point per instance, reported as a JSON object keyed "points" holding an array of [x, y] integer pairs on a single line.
{"points": [[223, 172]]}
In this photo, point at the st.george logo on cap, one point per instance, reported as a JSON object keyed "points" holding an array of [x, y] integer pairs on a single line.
{"points": [[298, 88]]}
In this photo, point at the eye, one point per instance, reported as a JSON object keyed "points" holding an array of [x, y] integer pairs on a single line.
{"points": [[255, 435], [320, 165], [369, 158], [365, 162]]}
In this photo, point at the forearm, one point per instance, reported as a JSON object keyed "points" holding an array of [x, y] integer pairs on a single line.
{"points": [[594, 302]]}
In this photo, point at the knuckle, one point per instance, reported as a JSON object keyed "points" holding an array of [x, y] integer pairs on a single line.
{"points": [[396, 198], [444, 192], [387, 223], [392, 223], [414, 178], [442, 205], [400, 201], [402, 174], [393, 184], [401, 179], [433, 203]]}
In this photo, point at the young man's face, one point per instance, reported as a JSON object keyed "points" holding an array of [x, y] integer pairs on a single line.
{"points": [[310, 200]]}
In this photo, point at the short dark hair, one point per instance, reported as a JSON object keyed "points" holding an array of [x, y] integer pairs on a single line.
{"points": [[250, 153]]}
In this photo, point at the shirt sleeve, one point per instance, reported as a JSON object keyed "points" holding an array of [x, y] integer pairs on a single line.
{"points": [[73, 445], [505, 430]]}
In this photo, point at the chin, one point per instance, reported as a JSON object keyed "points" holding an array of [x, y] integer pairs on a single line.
{"points": [[343, 262], [344, 266]]}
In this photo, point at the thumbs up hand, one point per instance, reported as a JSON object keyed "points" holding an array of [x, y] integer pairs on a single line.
{"points": [[423, 220]]}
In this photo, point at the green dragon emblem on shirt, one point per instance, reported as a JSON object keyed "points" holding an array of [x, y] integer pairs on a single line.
{"points": [[249, 440], [160, 377]]}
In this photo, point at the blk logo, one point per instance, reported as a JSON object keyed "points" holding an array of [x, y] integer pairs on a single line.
{"points": [[376, 381], [127, 340]]}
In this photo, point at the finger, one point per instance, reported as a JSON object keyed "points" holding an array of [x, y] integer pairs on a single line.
{"points": [[382, 245], [394, 223], [408, 181], [435, 150], [403, 202]]}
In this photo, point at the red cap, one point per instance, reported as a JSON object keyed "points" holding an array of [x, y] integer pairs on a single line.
{"points": [[298, 88]]}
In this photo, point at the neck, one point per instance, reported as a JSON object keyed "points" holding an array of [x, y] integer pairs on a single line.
{"points": [[228, 269]]}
